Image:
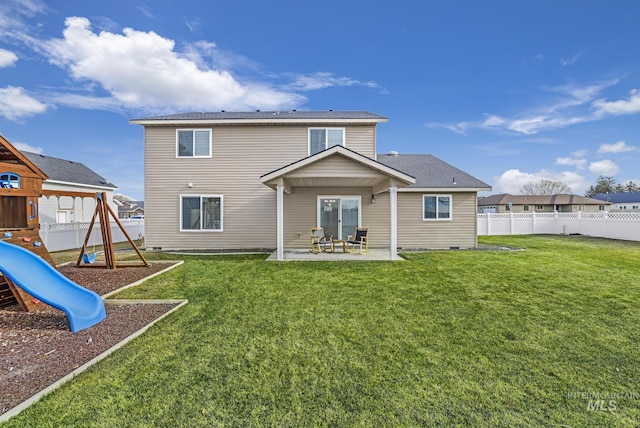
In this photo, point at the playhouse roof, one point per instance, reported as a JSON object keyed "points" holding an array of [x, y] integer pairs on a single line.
{"points": [[11, 155]]}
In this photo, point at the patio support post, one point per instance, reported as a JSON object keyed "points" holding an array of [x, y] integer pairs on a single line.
{"points": [[280, 220], [393, 199]]}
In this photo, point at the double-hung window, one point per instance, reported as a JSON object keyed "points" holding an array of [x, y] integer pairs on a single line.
{"points": [[436, 207], [323, 138], [193, 143], [201, 213]]}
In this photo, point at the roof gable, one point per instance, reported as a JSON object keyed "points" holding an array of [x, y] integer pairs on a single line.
{"points": [[310, 163], [11, 155]]}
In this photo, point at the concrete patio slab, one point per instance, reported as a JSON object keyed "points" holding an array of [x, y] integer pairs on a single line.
{"points": [[306, 255]]}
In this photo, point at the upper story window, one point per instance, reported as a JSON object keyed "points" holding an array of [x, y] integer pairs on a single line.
{"points": [[193, 143], [322, 138], [436, 207], [9, 180]]}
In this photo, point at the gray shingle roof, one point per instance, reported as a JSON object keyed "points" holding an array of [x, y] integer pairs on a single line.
{"points": [[559, 199], [619, 198], [270, 115], [431, 172], [68, 171]]}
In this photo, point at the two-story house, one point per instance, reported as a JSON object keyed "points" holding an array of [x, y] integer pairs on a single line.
{"points": [[246, 180]]}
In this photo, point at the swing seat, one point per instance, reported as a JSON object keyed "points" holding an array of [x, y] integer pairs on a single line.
{"points": [[89, 258]]}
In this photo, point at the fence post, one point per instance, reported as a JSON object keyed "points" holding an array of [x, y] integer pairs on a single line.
{"points": [[510, 222], [533, 223], [45, 238]]}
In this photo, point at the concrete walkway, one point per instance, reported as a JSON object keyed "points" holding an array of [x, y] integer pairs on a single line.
{"points": [[338, 255]]}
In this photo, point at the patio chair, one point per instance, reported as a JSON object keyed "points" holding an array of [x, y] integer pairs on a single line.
{"points": [[361, 239], [320, 242]]}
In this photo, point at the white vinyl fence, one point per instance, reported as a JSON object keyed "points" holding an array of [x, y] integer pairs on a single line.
{"points": [[68, 236], [602, 224]]}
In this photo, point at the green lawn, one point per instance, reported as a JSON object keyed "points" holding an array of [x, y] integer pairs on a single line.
{"points": [[467, 338]]}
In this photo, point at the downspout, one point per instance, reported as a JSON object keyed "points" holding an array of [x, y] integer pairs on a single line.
{"points": [[280, 220], [393, 216]]}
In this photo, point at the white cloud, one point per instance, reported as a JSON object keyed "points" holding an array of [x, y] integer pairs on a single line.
{"points": [[13, 13], [604, 167], [27, 147], [579, 153], [142, 70], [573, 105], [579, 163], [323, 80], [511, 181], [571, 60], [617, 147], [15, 104], [631, 105], [7, 58]]}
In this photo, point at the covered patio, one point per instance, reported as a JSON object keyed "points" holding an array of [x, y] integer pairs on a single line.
{"points": [[332, 175], [376, 254]]}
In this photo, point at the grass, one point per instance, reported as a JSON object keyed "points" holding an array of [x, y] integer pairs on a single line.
{"points": [[455, 338]]}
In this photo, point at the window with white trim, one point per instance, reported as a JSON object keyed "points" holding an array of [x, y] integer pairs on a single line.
{"points": [[193, 143], [600, 207], [525, 208], [323, 138], [436, 207], [540, 207], [201, 212]]}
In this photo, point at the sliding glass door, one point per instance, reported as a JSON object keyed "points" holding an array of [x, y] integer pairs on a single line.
{"points": [[339, 215]]}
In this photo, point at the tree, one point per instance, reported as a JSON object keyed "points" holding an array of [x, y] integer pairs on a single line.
{"points": [[545, 188], [603, 185], [631, 187]]}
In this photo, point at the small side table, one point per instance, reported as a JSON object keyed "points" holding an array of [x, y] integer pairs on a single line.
{"points": [[344, 244]]}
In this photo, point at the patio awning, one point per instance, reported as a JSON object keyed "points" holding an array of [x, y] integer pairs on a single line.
{"points": [[337, 167]]}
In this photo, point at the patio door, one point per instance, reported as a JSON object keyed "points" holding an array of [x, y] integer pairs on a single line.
{"points": [[339, 215]]}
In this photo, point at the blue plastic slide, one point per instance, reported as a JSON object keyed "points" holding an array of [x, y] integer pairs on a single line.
{"points": [[33, 274]]}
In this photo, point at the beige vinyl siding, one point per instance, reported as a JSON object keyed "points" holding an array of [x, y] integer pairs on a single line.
{"points": [[414, 232], [301, 214], [240, 156]]}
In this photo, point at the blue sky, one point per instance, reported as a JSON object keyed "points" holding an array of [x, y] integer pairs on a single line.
{"points": [[509, 91]]}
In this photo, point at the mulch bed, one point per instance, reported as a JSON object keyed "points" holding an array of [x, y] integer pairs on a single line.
{"points": [[37, 348]]}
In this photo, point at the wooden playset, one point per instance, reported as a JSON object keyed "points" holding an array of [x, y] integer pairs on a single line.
{"points": [[20, 187]]}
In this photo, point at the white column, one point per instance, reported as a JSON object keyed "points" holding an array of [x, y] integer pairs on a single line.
{"points": [[280, 222], [393, 203]]}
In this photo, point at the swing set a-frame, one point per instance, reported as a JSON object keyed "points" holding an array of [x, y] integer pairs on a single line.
{"points": [[102, 213]]}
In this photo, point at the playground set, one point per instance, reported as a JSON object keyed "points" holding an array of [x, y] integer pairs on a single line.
{"points": [[28, 276]]}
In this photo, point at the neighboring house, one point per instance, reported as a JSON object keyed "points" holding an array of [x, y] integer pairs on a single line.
{"points": [[130, 209], [504, 203], [240, 180], [65, 175], [623, 201]]}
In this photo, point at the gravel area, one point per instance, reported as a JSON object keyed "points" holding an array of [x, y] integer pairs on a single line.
{"points": [[37, 348]]}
